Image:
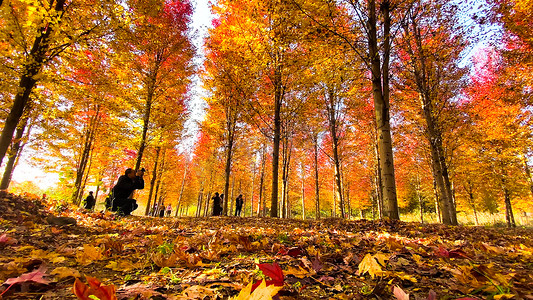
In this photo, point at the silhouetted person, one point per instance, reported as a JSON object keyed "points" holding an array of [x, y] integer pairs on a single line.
{"points": [[169, 210], [217, 205], [238, 205], [126, 184], [90, 202]]}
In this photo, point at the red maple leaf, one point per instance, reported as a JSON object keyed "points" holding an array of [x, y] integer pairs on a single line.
{"points": [[273, 271]]}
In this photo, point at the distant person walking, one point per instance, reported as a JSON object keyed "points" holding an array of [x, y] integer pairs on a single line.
{"points": [[90, 202], [169, 210], [238, 205], [217, 205], [126, 184]]}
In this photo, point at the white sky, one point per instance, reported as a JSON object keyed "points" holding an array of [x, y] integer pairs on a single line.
{"points": [[201, 21]]}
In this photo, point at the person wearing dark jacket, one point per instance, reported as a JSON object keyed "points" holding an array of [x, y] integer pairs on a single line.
{"points": [[238, 205], [126, 184], [217, 205], [90, 202]]}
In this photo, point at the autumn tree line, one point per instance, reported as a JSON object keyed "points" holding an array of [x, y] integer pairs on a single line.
{"points": [[314, 108]]}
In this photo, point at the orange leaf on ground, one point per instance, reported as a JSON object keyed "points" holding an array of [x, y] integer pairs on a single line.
{"points": [[95, 288]]}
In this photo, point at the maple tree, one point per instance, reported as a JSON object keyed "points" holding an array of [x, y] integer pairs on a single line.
{"points": [[159, 55], [423, 48], [38, 33], [493, 105]]}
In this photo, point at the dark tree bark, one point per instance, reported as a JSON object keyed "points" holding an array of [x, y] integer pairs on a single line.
{"points": [[333, 125], [278, 95], [152, 181], [181, 189], [381, 94], [14, 153], [317, 186], [89, 137]]}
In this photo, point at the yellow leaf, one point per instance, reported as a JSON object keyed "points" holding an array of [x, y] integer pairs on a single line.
{"points": [[262, 292], [404, 276], [370, 265], [381, 258], [245, 293], [298, 272], [503, 296], [417, 258], [88, 254], [122, 266], [64, 272]]}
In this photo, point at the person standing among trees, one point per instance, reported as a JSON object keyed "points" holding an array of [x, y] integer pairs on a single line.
{"points": [[90, 202], [217, 205], [126, 184], [238, 205], [169, 210]]}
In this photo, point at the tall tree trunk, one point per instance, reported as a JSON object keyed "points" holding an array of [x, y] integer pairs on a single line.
{"points": [[252, 191], [303, 190], [349, 211], [286, 156], [152, 181], [381, 93], [16, 149], [89, 138], [277, 139], [317, 186], [438, 158], [470, 191], [31, 68], [182, 188], [199, 202], [509, 216], [333, 123], [528, 174], [261, 207], [379, 183], [437, 200], [159, 175], [231, 197], [227, 173], [209, 188], [420, 202], [334, 208], [86, 176], [146, 124]]}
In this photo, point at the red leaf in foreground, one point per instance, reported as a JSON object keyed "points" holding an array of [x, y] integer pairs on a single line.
{"points": [[34, 276], [5, 240], [455, 253], [273, 271], [292, 252], [95, 288]]}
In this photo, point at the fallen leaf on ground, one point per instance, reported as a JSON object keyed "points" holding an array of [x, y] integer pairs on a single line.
{"points": [[262, 292], [95, 288]]}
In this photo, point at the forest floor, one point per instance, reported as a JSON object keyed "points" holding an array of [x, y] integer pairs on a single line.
{"points": [[217, 257]]}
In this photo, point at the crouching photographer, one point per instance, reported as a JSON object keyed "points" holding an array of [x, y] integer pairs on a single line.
{"points": [[125, 186]]}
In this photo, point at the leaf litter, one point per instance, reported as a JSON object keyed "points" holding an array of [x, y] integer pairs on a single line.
{"points": [[104, 257]]}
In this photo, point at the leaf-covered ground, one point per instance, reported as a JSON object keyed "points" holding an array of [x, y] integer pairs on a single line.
{"points": [[215, 258]]}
